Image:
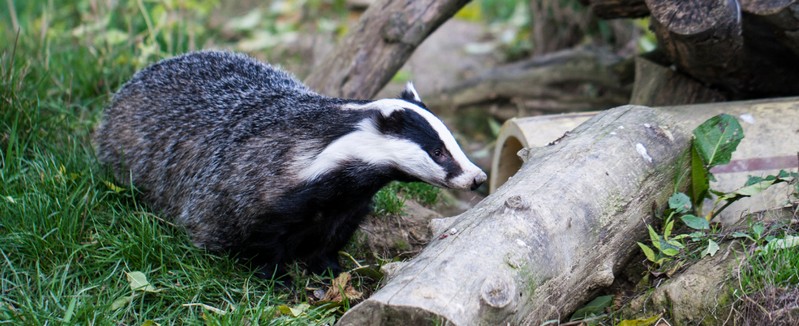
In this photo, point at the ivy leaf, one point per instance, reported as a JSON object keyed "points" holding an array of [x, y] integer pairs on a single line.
{"points": [[680, 202], [758, 229], [717, 138], [739, 234], [694, 222], [712, 248], [138, 282], [121, 302]]}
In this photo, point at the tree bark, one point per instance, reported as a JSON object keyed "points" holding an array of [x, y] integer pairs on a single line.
{"points": [[656, 85], [571, 80], [379, 45], [550, 237], [612, 9], [780, 18], [703, 38]]}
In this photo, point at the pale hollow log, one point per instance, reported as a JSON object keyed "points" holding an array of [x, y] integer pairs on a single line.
{"points": [[379, 45], [656, 85], [613, 9], [703, 39], [550, 237]]}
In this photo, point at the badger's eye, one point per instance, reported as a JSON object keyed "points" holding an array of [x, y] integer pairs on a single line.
{"points": [[437, 152]]}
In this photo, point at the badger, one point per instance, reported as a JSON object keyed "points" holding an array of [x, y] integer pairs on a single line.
{"points": [[253, 163]]}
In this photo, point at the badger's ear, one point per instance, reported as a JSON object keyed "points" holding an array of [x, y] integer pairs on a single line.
{"points": [[410, 93]]}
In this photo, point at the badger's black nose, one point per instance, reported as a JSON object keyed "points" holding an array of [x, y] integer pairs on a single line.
{"points": [[478, 181], [476, 185]]}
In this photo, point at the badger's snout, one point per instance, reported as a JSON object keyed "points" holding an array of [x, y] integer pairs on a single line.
{"points": [[469, 179], [478, 180]]}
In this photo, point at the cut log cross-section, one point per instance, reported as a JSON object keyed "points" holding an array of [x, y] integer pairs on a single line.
{"points": [[702, 37], [547, 239]]}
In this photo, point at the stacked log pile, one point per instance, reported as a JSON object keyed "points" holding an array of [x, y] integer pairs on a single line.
{"points": [[741, 48]]}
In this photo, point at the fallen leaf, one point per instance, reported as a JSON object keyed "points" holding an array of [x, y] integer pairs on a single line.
{"points": [[341, 288], [138, 282]]}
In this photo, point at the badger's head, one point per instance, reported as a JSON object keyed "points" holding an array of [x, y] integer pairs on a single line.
{"points": [[401, 134]]}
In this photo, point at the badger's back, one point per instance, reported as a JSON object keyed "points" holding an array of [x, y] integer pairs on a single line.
{"points": [[189, 129]]}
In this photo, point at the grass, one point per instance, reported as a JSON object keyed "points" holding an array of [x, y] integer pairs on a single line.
{"points": [[391, 199], [768, 282], [68, 237]]}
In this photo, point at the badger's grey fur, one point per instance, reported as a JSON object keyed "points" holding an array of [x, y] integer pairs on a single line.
{"points": [[254, 163]]}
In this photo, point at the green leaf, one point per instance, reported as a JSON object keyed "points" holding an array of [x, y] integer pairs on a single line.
{"points": [[717, 138], [639, 322], [648, 252], [667, 229], [711, 249], [671, 252], [594, 308], [739, 234], [295, 311], [680, 237], [654, 237], [121, 302], [138, 282], [113, 187], [758, 229], [669, 249], [680, 202], [788, 242], [494, 126], [675, 243], [694, 222], [700, 182]]}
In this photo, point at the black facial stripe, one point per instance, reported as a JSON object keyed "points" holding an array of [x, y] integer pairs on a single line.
{"points": [[407, 124], [449, 165]]}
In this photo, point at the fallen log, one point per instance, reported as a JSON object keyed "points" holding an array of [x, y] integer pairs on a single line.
{"points": [[551, 236], [556, 232], [379, 45]]}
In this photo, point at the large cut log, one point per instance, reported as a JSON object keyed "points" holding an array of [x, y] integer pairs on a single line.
{"points": [[703, 38], [556, 232], [547, 239], [748, 54], [379, 45]]}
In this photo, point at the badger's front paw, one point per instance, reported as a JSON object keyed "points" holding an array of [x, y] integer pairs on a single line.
{"points": [[275, 273], [325, 264]]}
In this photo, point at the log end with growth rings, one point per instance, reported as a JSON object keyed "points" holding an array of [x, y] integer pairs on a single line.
{"points": [[497, 292]]}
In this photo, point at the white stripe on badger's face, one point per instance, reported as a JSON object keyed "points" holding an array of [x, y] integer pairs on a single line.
{"points": [[370, 145]]}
